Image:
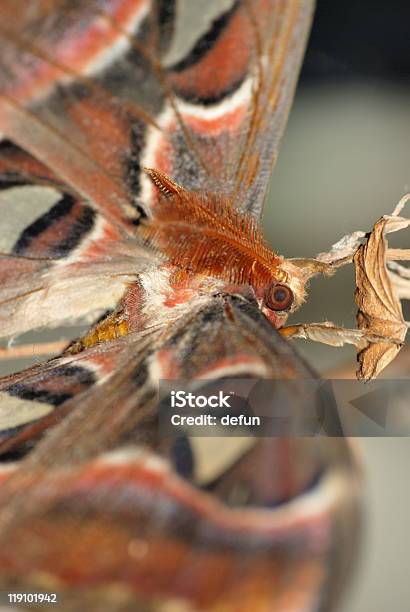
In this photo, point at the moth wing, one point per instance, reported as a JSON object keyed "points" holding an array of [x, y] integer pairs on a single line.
{"points": [[101, 508], [52, 104], [38, 398], [100, 90], [233, 89], [61, 260], [94, 92]]}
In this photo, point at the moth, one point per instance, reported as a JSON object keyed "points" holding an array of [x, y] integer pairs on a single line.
{"points": [[138, 138]]}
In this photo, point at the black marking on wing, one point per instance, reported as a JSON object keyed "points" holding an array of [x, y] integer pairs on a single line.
{"points": [[12, 456], [59, 385], [39, 395], [52, 387], [9, 180], [83, 225], [65, 242], [57, 212], [141, 375], [6, 147], [206, 41], [166, 12], [133, 168], [182, 456], [211, 100]]}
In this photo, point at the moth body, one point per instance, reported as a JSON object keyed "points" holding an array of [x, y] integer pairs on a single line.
{"points": [[213, 247]]}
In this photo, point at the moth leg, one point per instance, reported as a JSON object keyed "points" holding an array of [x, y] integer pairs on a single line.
{"points": [[332, 335]]}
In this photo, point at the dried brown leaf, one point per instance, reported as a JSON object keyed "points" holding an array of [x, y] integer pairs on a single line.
{"points": [[379, 306]]}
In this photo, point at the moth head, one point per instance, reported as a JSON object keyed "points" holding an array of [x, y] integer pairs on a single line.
{"points": [[284, 294]]}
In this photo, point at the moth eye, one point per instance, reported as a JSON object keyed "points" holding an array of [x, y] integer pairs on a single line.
{"points": [[279, 297]]}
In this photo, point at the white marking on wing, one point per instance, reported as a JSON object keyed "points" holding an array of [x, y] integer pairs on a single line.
{"points": [[15, 411], [239, 98]]}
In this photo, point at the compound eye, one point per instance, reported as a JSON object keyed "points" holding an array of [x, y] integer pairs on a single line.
{"points": [[279, 297]]}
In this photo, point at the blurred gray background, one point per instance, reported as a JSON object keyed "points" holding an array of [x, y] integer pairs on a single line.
{"points": [[345, 161]]}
